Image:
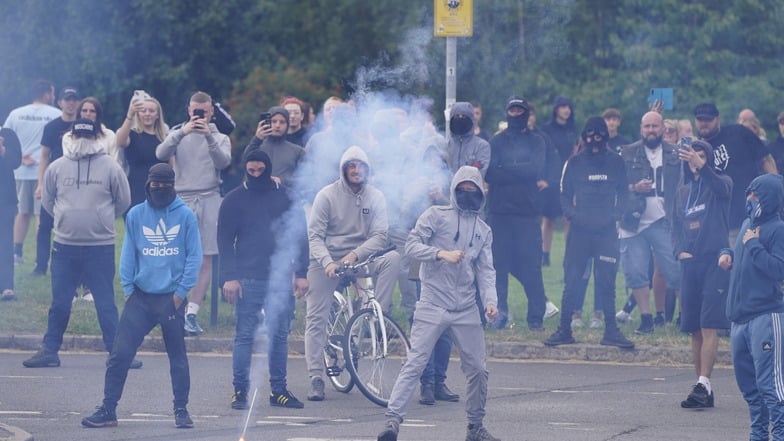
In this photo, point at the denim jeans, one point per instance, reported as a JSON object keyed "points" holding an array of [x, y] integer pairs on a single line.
{"points": [[71, 265], [43, 238], [7, 215], [142, 312], [636, 256], [277, 307]]}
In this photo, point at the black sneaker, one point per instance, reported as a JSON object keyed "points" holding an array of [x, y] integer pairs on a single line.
{"points": [[659, 320], [561, 336], [102, 417], [613, 337], [135, 364], [646, 325], [316, 392], [181, 418], [285, 399], [427, 394], [390, 432], [442, 393], [239, 400], [42, 359], [698, 398], [479, 434]]}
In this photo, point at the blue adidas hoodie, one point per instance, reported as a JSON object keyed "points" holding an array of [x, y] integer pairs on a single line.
{"points": [[758, 265], [161, 252]]}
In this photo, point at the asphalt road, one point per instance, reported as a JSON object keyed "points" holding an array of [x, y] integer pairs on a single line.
{"points": [[526, 401]]}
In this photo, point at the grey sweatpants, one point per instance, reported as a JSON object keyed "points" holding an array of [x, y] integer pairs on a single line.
{"points": [[319, 297], [430, 321]]}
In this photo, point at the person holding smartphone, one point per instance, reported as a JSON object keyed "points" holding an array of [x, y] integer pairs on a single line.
{"points": [[200, 152], [270, 138]]}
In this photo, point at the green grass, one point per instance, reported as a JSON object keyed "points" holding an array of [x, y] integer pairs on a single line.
{"points": [[28, 315]]}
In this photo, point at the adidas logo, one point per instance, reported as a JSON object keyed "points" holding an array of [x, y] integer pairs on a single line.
{"points": [[160, 237]]}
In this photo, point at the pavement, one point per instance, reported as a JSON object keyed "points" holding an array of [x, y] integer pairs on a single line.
{"points": [[500, 350]]}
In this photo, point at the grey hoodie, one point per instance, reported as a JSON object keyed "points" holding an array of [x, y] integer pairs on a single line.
{"points": [[85, 190], [451, 286], [342, 221], [198, 159], [467, 149]]}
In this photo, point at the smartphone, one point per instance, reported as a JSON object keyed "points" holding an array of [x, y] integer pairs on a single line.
{"points": [[685, 142], [266, 117], [199, 113], [661, 94]]}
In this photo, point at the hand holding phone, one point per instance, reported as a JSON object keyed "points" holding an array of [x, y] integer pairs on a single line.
{"points": [[199, 113]]}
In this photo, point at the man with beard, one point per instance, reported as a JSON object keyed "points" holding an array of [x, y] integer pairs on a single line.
{"points": [[262, 243], [347, 223], [593, 196], [271, 139], [738, 152], [158, 266], [516, 174], [653, 171]]}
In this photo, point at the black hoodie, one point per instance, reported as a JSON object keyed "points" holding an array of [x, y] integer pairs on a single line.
{"points": [[564, 136], [8, 163], [702, 207]]}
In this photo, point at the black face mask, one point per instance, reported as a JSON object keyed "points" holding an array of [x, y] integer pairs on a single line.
{"points": [[160, 197], [469, 200], [460, 126], [594, 144], [258, 183], [518, 122]]}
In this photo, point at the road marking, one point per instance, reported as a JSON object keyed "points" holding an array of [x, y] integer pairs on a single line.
{"points": [[20, 412], [33, 377]]}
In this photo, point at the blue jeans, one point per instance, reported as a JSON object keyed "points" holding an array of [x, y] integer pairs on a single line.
{"points": [[636, 256], [72, 265], [757, 355], [277, 307]]}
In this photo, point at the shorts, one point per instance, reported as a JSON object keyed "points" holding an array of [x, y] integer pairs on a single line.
{"points": [[206, 207], [636, 256], [25, 192], [704, 289], [549, 201]]}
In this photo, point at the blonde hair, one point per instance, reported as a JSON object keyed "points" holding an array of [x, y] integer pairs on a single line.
{"points": [[160, 127]]}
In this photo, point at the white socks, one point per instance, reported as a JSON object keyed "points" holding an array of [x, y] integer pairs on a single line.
{"points": [[705, 381], [192, 309]]}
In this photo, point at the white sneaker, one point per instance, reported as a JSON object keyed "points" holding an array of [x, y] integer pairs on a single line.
{"points": [[550, 310], [577, 322], [623, 316], [596, 323]]}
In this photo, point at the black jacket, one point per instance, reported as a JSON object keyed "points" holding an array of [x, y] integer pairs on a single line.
{"points": [[637, 168], [8, 163], [517, 161], [594, 190]]}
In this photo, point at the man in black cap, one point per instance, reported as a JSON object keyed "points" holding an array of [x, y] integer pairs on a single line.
{"points": [[516, 174], [51, 149], [160, 262], [737, 152], [593, 196]]}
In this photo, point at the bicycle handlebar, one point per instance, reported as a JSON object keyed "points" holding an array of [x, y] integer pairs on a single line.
{"points": [[348, 269]]}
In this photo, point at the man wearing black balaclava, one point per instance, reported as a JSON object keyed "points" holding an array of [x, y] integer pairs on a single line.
{"points": [[262, 242], [465, 148], [593, 196], [516, 174], [270, 138], [654, 172], [159, 265]]}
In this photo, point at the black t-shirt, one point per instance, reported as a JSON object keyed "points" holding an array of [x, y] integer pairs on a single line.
{"points": [[140, 156], [738, 152], [53, 137]]}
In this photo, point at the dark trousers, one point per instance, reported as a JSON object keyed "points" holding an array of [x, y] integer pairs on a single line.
{"points": [[517, 250], [71, 265], [582, 246], [141, 314], [7, 216], [43, 239]]}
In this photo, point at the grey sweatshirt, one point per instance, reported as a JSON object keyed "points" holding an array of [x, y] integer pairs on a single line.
{"points": [[448, 285], [198, 159], [467, 149], [85, 190], [342, 221]]}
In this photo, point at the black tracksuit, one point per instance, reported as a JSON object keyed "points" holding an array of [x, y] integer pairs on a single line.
{"points": [[593, 195]]}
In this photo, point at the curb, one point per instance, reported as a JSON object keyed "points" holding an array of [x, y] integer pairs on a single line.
{"points": [[580, 352], [11, 433]]}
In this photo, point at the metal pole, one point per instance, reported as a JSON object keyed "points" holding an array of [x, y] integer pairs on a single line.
{"points": [[214, 291], [451, 78]]}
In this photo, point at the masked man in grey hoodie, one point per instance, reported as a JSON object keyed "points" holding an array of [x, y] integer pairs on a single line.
{"points": [[348, 223], [84, 191], [455, 247]]}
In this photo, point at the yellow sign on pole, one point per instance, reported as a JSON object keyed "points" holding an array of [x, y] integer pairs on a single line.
{"points": [[453, 18]]}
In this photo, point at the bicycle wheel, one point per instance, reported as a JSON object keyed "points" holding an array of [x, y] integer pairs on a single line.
{"points": [[334, 359], [374, 372]]}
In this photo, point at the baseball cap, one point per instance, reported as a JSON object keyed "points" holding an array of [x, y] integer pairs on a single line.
{"points": [[517, 101], [706, 111], [69, 93]]}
